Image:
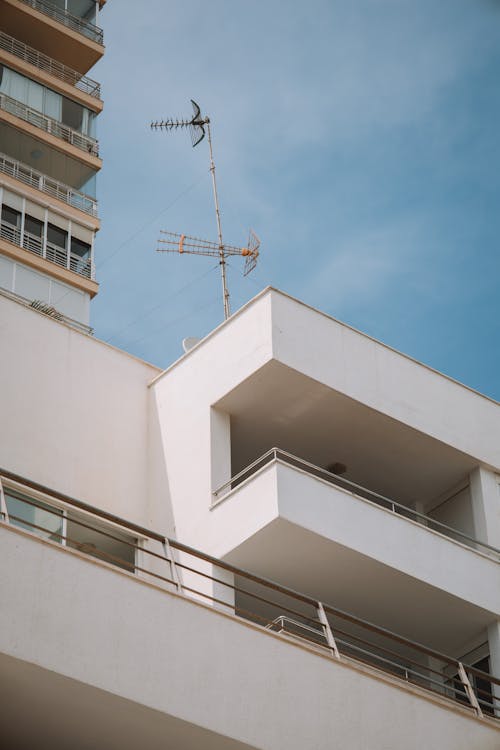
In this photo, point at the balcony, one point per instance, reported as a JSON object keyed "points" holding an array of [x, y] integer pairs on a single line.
{"points": [[47, 185], [123, 571], [277, 455], [48, 65], [49, 125], [61, 35], [80, 25], [290, 520], [44, 249]]}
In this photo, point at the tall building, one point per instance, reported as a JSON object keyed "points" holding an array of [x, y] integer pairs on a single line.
{"points": [[49, 154], [288, 538]]}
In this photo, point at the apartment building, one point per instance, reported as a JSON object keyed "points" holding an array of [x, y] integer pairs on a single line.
{"points": [[290, 535], [289, 538], [49, 154]]}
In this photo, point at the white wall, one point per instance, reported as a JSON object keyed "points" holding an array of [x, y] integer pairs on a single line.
{"points": [[74, 412], [209, 670], [456, 512], [366, 370]]}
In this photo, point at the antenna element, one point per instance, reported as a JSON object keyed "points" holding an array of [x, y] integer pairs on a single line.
{"points": [[194, 246]]}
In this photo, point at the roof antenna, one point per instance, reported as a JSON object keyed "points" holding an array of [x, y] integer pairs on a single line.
{"points": [[197, 126]]}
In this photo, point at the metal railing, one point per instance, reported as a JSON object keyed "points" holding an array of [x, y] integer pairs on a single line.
{"points": [[49, 65], [49, 125], [296, 616], [63, 16], [31, 304], [47, 250], [47, 185], [281, 456]]}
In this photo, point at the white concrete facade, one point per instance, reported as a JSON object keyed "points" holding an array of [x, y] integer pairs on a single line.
{"points": [[156, 449]]}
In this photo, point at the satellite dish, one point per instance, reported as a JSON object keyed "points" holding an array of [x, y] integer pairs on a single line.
{"points": [[188, 343]]}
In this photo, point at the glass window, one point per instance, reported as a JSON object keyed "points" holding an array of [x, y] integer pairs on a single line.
{"points": [[72, 114], [33, 515], [80, 249], [57, 236], [11, 216], [33, 226], [103, 542]]}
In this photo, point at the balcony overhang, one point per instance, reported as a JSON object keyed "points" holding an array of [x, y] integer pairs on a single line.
{"points": [[50, 141], [32, 150], [50, 36], [51, 269], [120, 655], [51, 81], [313, 536]]}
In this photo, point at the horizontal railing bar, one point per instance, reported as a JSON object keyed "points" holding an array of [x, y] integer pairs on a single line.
{"points": [[9, 475], [48, 185], [49, 125], [403, 510], [86, 28], [106, 557], [49, 65], [245, 574]]}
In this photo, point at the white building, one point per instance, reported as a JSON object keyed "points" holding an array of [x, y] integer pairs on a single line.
{"points": [[288, 539], [98, 443]]}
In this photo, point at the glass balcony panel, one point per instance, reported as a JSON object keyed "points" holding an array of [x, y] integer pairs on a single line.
{"points": [[34, 516]]}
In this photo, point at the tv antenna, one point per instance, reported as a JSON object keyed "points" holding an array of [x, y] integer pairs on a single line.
{"points": [[182, 243]]}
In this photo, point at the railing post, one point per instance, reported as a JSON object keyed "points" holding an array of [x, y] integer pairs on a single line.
{"points": [[4, 513], [469, 689], [327, 630], [169, 555]]}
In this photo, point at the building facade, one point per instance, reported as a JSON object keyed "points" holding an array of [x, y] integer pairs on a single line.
{"points": [[289, 538], [49, 154], [290, 535]]}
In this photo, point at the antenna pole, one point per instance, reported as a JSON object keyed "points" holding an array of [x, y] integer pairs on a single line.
{"points": [[222, 256]]}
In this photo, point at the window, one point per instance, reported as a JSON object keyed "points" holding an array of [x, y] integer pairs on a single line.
{"points": [[33, 226], [11, 216], [34, 515], [70, 528]]}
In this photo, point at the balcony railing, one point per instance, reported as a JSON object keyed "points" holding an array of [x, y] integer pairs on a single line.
{"points": [[49, 65], [297, 617], [47, 250], [54, 127], [281, 456], [42, 309], [54, 188], [72, 22]]}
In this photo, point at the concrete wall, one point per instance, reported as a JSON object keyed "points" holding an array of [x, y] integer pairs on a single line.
{"points": [[368, 371], [107, 630], [74, 412]]}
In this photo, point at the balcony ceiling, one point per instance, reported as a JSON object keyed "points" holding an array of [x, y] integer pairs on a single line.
{"points": [[278, 406], [40, 156], [46, 710]]}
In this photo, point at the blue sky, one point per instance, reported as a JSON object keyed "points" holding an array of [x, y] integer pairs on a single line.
{"points": [[358, 138]]}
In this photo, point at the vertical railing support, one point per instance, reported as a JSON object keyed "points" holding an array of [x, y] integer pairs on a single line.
{"points": [[169, 555], [327, 630], [4, 513], [469, 689]]}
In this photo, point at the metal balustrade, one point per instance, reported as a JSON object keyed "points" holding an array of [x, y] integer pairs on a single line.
{"points": [[47, 250], [47, 185], [26, 302], [297, 617], [90, 30], [49, 65], [49, 125], [277, 455]]}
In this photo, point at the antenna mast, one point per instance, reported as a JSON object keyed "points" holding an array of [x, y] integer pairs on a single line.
{"points": [[197, 126]]}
